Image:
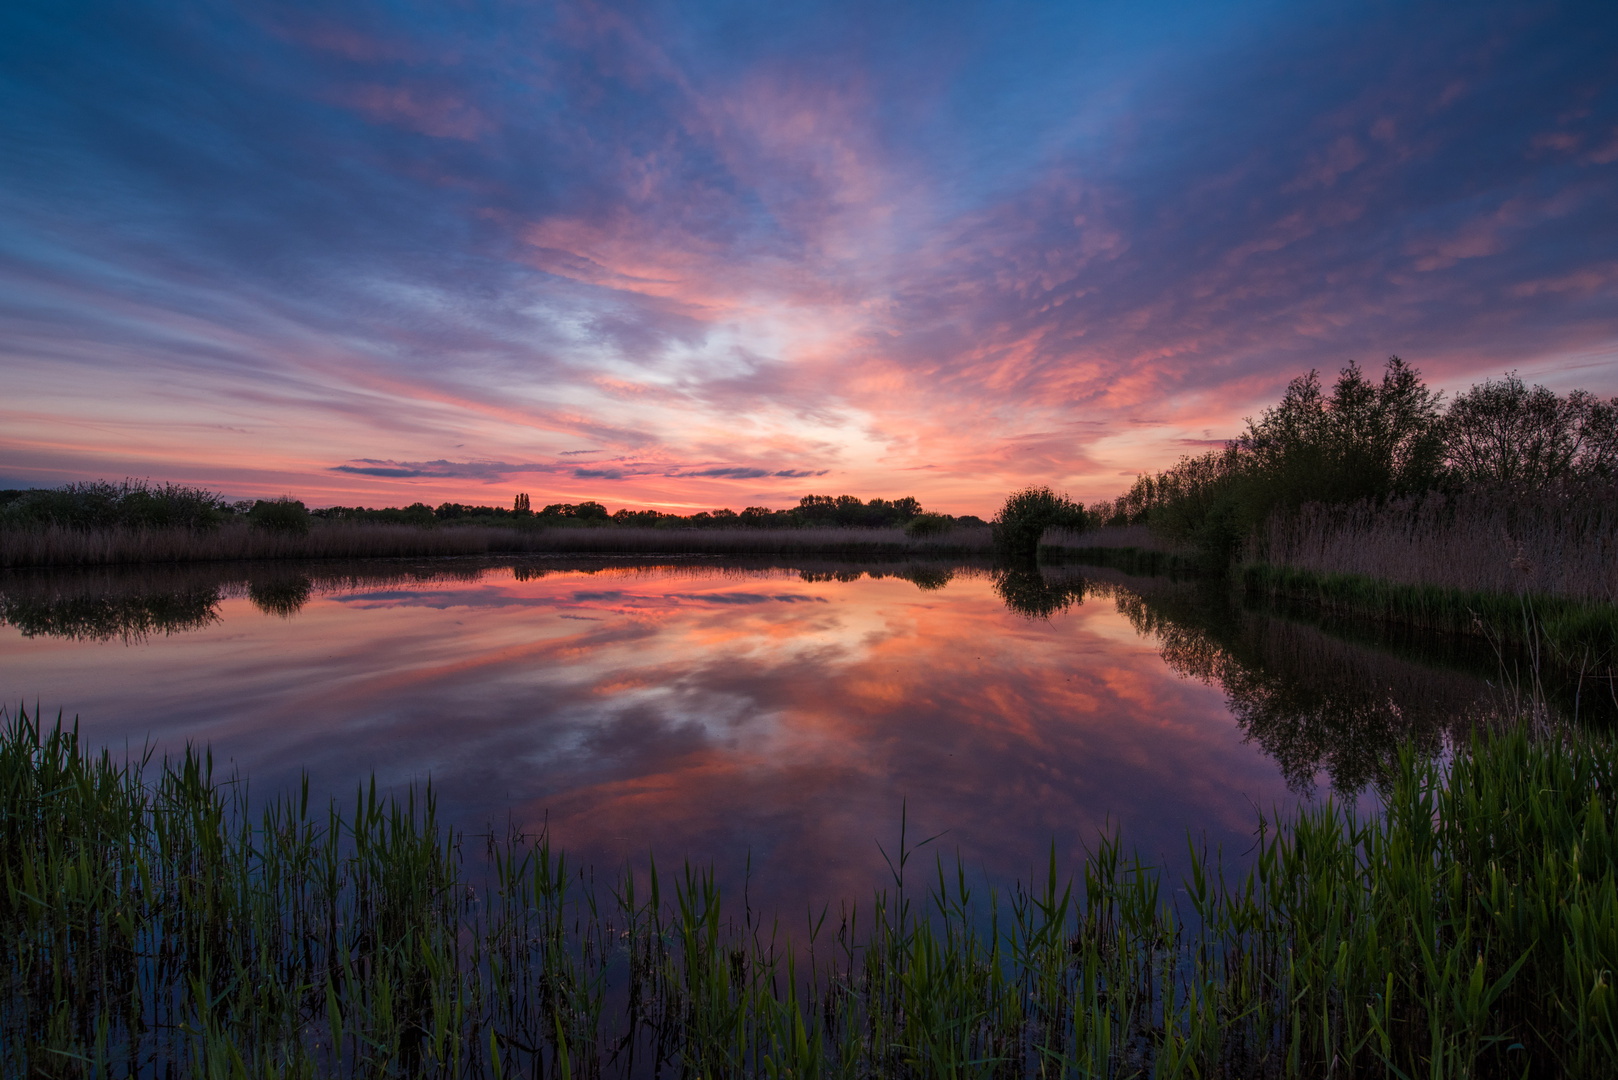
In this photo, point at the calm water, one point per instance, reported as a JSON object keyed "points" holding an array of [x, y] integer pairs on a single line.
{"points": [[721, 712]]}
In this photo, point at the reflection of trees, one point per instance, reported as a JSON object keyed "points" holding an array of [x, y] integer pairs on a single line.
{"points": [[928, 578], [1311, 701], [283, 596], [133, 603], [91, 616], [1031, 594]]}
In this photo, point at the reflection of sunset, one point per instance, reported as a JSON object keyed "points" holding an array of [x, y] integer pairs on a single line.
{"points": [[702, 714]]}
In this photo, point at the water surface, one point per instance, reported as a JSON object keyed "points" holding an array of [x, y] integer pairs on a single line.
{"points": [[771, 719]]}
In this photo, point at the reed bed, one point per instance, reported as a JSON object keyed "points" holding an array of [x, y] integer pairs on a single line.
{"points": [[1124, 537], [156, 924], [54, 545], [1537, 574], [1131, 548], [1474, 542]]}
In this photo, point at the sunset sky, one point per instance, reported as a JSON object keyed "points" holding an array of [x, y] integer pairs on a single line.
{"points": [[692, 255]]}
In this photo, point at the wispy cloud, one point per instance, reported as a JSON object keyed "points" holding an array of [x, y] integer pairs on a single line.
{"points": [[737, 472], [441, 246]]}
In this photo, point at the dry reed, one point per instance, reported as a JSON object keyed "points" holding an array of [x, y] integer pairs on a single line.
{"points": [[59, 546], [1474, 542], [1137, 537]]}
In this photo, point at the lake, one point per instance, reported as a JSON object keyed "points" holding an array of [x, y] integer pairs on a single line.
{"points": [[774, 719]]}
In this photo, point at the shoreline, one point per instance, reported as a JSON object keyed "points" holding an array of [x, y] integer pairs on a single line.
{"points": [[56, 546]]}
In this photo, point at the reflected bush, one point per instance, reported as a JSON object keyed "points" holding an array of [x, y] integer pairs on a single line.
{"points": [[99, 617], [284, 597], [928, 578], [1029, 593], [1315, 704]]}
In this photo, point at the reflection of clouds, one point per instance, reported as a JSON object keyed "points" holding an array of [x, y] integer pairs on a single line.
{"points": [[792, 730]]}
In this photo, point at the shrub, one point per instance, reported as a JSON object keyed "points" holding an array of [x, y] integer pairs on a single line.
{"points": [[283, 515], [1027, 514], [929, 525], [99, 504]]}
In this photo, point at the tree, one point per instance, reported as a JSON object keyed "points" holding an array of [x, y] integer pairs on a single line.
{"points": [[1027, 514], [1366, 441], [1506, 434], [284, 515]]}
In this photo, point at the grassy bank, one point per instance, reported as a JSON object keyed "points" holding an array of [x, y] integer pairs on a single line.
{"points": [[153, 921], [1575, 634], [54, 545]]}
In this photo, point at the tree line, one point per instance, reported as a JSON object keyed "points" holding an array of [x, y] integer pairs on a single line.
{"points": [[139, 504], [1368, 441]]}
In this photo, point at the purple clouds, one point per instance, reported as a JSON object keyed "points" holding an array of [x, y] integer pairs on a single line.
{"points": [[381, 255]]}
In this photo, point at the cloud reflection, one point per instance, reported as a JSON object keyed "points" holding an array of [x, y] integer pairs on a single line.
{"points": [[711, 712]]}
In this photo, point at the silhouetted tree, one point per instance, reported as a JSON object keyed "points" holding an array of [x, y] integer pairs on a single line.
{"points": [[1508, 435], [286, 515], [1027, 514]]}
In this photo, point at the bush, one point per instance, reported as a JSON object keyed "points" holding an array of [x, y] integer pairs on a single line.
{"points": [[98, 504], [929, 525], [1027, 514], [283, 515]]}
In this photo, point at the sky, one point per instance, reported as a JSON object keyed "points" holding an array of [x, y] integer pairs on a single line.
{"points": [[698, 255]]}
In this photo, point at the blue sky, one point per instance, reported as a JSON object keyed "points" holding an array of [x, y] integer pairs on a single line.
{"points": [[692, 256]]}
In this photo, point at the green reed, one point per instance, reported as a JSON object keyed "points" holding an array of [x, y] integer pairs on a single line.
{"points": [[1580, 635], [157, 924]]}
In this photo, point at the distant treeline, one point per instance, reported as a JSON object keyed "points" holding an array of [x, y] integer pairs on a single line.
{"points": [[812, 511], [137, 504], [1368, 443]]}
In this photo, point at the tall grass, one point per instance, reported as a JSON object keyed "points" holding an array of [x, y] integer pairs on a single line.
{"points": [[155, 923], [1540, 573], [1474, 542], [1132, 548], [55, 545]]}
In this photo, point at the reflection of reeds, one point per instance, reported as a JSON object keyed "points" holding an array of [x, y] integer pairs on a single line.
{"points": [[154, 924], [1313, 701], [58, 546]]}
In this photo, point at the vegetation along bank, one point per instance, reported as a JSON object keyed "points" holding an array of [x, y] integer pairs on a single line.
{"points": [[155, 922], [1496, 515]]}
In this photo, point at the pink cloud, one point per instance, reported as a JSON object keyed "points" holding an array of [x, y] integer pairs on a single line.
{"points": [[441, 115]]}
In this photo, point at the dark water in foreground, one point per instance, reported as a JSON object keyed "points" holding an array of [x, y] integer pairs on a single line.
{"points": [[721, 711]]}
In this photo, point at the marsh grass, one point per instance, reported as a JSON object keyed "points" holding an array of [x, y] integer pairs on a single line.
{"points": [[1574, 635], [156, 923], [57, 545], [1476, 542], [1134, 549]]}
